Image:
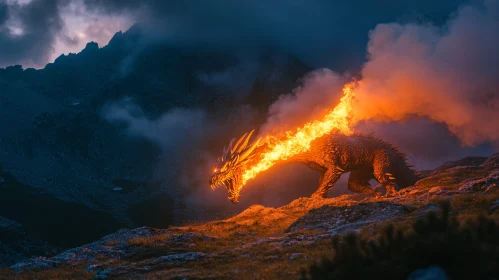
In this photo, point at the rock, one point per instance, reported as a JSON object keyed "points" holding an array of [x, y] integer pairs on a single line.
{"points": [[35, 263], [491, 163], [189, 237], [295, 256], [465, 162], [435, 190], [178, 258], [430, 273], [333, 219], [408, 207], [112, 271], [431, 206], [90, 253], [411, 191], [466, 188]]}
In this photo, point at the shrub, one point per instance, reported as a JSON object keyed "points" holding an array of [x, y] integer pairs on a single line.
{"points": [[468, 250]]}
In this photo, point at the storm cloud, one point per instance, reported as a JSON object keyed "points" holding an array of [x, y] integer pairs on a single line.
{"points": [[320, 32], [27, 31]]}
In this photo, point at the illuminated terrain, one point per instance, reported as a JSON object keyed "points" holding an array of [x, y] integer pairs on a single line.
{"points": [[273, 243]]}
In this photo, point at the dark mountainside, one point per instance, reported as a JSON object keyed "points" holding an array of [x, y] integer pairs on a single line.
{"points": [[446, 225], [65, 178]]}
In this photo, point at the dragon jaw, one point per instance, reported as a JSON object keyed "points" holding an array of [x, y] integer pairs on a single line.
{"points": [[230, 166]]}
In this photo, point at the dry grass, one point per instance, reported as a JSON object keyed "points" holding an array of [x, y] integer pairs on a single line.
{"points": [[474, 203], [450, 180], [150, 241], [264, 261]]}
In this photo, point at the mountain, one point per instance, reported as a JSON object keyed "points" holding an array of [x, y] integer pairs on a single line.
{"points": [[58, 148], [280, 243]]}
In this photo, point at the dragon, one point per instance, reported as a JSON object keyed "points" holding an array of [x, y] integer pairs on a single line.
{"points": [[364, 156]]}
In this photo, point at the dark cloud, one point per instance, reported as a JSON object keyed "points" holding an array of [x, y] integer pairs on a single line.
{"points": [[38, 23], [4, 13], [321, 32]]}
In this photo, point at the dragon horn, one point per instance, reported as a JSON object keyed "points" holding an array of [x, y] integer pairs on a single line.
{"points": [[251, 148], [234, 148], [236, 160], [229, 148], [245, 143]]}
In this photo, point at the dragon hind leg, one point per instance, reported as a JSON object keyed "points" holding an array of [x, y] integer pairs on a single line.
{"points": [[358, 181], [383, 173]]}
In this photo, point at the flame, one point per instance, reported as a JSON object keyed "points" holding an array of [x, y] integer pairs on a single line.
{"points": [[299, 141]]}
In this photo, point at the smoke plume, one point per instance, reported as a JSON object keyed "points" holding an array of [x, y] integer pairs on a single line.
{"points": [[319, 92], [438, 82], [174, 129], [448, 74]]}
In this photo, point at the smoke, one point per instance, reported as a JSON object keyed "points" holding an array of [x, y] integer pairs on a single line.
{"points": [[433, 90], [320, 91], [190, 142], [178, 128], [448, 74], [427, 144]]}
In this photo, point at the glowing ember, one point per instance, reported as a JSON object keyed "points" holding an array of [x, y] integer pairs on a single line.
{"points": [[298, 142]]}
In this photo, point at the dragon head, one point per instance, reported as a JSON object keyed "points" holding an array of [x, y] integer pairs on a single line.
{"points": [[231, 164]]}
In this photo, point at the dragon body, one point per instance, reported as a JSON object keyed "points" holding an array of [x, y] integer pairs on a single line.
{"points": [[364, 156]]}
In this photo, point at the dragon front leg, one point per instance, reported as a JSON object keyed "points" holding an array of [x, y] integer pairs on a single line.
{"points": [[328, 179]]}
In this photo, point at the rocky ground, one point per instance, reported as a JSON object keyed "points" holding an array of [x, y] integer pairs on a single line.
{"points": [[271, 243]]}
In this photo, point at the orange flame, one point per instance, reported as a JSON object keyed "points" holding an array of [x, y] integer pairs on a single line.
{"points": [[298, 142]]}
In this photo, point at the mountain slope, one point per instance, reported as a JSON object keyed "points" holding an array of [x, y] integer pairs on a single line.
{"points": [[57, 139], [273, 243]]}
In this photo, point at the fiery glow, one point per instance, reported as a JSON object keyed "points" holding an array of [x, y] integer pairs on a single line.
{"points": [[299, 141]]}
